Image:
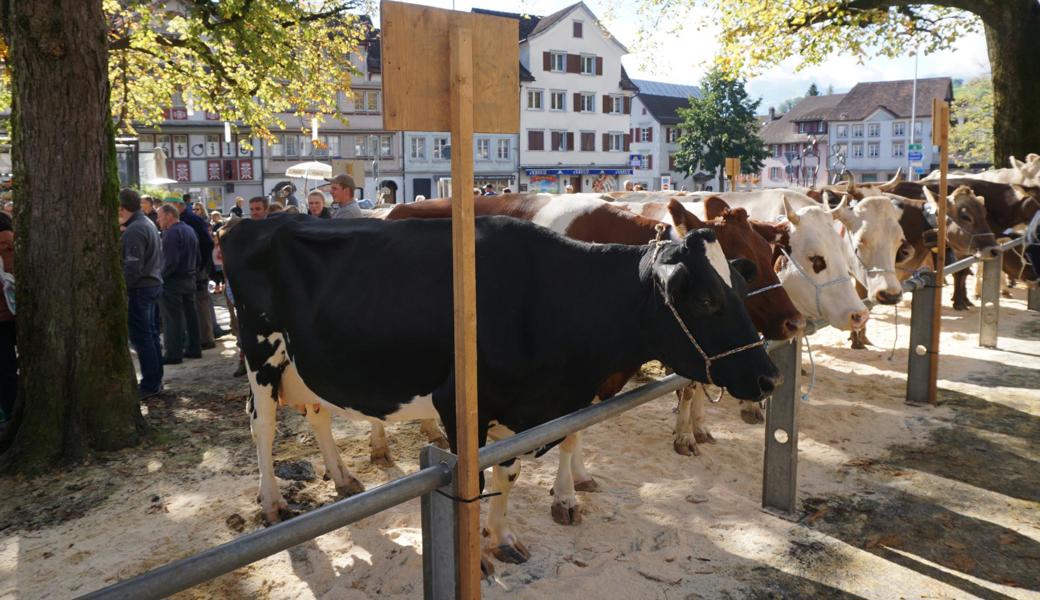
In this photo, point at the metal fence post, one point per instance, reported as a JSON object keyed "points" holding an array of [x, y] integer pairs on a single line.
{"points": [[989, 315], [919, 356], [438, 530], [780, 471], [1033, 299]]}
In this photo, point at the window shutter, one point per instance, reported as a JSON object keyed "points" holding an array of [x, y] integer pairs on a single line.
{"points": [[632, 134], [599, 65], [573, 63], [671, 162], [547, 61], [570, 140], [649, 162], [577, 102], [535, 140], [606, 103], [577, 29], [606, 142], [628, 105], [649, 134], [628, 141]]}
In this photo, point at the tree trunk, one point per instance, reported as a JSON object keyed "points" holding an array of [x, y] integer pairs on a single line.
{"points": [[1011, 37], [75, 387]]}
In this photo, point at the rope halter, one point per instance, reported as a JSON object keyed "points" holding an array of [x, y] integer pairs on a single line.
{"points": [[658, 243], [819, 286]]}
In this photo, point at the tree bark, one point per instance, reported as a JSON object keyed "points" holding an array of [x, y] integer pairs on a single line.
{"points": [[76, 390], [1012, 34]]}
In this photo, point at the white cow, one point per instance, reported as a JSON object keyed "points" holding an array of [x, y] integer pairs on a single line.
{"points": [[1024, 173]]}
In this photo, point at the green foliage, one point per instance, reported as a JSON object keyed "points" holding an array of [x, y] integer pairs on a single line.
{"points": [[971, 139], [813, 90], [246, 60], [720, 124], [788, 104]]}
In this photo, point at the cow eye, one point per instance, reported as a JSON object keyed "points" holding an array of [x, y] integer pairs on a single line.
{"points": [[818, 264]]}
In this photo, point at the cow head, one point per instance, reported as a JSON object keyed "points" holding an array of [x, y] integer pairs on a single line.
{"points": [[967, 230], [1016, 266], [814, 270], [874, 239], [770, 308], [1028, 171], [706, 291]]}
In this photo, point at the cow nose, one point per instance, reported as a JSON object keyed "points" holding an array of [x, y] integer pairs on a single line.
{"points": [[793, 326], [768, 383], [858, 319], [885, 297]]}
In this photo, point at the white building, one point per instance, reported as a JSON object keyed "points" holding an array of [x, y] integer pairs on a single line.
{"points": [[655, 135], [575, 101], [426, 162], [798, 144], [871, 128]]}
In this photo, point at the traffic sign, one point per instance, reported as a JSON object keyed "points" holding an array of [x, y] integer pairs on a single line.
{"points": [[915, 147], [916, 163], [916, 155], [919, 170]]}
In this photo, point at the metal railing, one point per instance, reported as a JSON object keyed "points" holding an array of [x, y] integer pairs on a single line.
{"points": [[433, 483]]}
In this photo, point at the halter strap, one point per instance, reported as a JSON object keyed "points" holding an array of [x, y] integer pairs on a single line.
{"points": [[819, 286]]}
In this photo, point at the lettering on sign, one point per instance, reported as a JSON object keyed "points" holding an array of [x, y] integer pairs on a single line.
{"points": [[179, 114], [180, 146], [214, 172], [182, 170]]}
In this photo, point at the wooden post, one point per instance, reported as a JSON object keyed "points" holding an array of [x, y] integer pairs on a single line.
{"points": [[940, 137], [465, 293]]}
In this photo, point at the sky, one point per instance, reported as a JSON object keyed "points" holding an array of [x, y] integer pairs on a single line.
{"points": [[684, 57]]}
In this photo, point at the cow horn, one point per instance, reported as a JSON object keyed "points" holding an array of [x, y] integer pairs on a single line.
{"points": [[789, 212], [852, 181], [1015, 163], [892, 183], [1020, 192], [928, 195], [837, 209]]}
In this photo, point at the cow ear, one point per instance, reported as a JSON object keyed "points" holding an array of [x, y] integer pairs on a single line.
{"points": [[714, 207], [747, 269], [684, 220], [673, 278], [1015, 163], [773, 233]]}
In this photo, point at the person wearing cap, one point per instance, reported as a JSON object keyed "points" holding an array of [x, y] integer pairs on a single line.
{"points": [[489, 190], [343, 204]]}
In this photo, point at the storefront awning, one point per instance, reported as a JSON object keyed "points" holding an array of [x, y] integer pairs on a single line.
{"points": [[578, 170]]}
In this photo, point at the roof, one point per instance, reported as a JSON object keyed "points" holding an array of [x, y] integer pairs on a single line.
{"points": [[533, 25], [894, 96], [626, 84], [665, 109], [810, 108], [661, 88], [375, 55]]}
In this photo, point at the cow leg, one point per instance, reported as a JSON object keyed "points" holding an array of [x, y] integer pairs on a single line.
{"points": [[380, 449], [565, 509], [321, 424], [751, 412], [262, 409], [859, 339], [960, 291], [434, 433], [504, 545], [583, 482], [683, 441]]}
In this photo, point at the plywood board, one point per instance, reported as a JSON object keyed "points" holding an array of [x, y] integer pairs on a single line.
{"points": [[417, 78]]}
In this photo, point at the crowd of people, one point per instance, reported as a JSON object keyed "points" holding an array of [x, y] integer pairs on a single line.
{"points": [[172, 257]]}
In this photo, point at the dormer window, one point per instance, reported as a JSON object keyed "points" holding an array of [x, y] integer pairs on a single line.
{"points": [[576, 27]]}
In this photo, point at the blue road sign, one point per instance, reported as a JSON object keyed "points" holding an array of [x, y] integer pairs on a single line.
{"points": [[915, 155], [919, 170]]}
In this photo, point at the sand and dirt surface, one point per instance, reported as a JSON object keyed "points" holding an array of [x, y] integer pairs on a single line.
{"points": [[894, 501]]}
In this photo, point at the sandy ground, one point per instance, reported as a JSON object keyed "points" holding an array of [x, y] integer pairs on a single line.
{"points": [[896, 501]]}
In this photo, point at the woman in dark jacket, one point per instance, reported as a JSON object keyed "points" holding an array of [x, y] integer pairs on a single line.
{"points": [[316, 205]]}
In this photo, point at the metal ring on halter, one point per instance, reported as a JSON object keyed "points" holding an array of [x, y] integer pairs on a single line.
{"points": [[658, 243], [819, 286]]}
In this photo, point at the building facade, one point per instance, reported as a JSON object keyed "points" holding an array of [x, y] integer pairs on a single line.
{"points": [[798, 144], [870, 130], [655, 135], [575, 102], [427, 162]]}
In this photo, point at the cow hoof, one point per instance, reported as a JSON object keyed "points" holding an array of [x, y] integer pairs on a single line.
{"points": [[858, 344], [441, 442], [351, 487], [381, 458], [564, 514], [685, 445], [278, 513], [703, 437], [487, 569], [752, 415], [513, 553], [962, 305], [589, 485]]}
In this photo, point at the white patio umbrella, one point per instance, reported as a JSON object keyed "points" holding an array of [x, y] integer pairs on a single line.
{"points": [[309, 170], [161, 178]]}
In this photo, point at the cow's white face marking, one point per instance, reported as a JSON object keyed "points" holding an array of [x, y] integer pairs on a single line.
{"points": [[718, 260]]}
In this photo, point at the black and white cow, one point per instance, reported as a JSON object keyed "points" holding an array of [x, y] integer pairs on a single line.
{"points": [[321, 303]]}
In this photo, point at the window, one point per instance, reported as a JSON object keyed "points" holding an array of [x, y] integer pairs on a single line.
{"points": [[534, 99], [588, 65], [418, 148], [440, 148], [775, 173], [588, 102], [617, 141], [558, 100], [842, 131], [898, 149], [483, 149], [918, 128], [558, 62], [873, 129], [292, 148], [558, 140], [386, 146], [361, 148], [646, 134], [588, 141], [898, 128], [277, 148], [857, 151], [618, 104], [857, 131], [535, 140], [776, 151], [327, 146], [673, 135], [372, 101], [576, 28], [671, 162], [873, 150], [502, 149]]}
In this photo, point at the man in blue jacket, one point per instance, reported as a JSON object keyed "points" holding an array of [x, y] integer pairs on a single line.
{"points": [[180, 257], [203, 301], [142, 270]]}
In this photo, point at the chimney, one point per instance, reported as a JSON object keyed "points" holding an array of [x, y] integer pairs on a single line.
{"points": [[772, 113]]}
